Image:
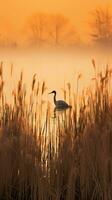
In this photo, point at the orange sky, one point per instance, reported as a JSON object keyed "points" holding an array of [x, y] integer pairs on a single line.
{"points": [[13, 13]]}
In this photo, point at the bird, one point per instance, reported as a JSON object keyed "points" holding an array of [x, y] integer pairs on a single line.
{"points": [[60, 104]]}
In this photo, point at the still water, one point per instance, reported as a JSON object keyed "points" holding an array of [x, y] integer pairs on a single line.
{"points": [[56, 68]]}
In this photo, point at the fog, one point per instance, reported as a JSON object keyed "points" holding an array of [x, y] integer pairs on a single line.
{"points": [[56, 68]]}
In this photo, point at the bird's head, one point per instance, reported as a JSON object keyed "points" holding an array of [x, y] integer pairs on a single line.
{"points": [[53, 92]]}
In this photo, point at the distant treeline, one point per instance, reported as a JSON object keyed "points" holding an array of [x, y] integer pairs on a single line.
{"points": [[43, 30]]}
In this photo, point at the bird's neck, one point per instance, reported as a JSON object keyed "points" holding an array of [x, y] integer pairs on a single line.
{"points": [[54, 98]]}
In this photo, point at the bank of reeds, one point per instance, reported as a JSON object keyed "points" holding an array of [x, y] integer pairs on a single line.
{"points": [[65, 158]]}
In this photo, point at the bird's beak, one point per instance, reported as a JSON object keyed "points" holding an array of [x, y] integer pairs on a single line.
{"points": [[50, 93]]}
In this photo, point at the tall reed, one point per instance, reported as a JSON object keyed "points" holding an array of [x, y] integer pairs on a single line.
{"points": [[67, 157]]}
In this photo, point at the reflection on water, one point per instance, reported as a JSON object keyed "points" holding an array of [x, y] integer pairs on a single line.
{"points": [[60, 71], [60, 111], [60, 120], [67, 73]]}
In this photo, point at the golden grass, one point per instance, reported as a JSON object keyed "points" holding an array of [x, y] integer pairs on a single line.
{"points": [[66, 158]]}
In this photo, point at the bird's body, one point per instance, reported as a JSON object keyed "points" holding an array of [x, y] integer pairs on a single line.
{"points": [[60, 104]]}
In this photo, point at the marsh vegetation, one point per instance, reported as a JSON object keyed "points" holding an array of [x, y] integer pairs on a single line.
{"points": [[68, 156]]}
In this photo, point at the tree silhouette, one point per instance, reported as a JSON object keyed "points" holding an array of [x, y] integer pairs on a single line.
{"points": [[51, 29], [37, 27], [61, 30], [102, 26]]}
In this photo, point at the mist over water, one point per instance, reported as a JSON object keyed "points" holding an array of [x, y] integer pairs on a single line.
{"points": [[56, 68]]}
